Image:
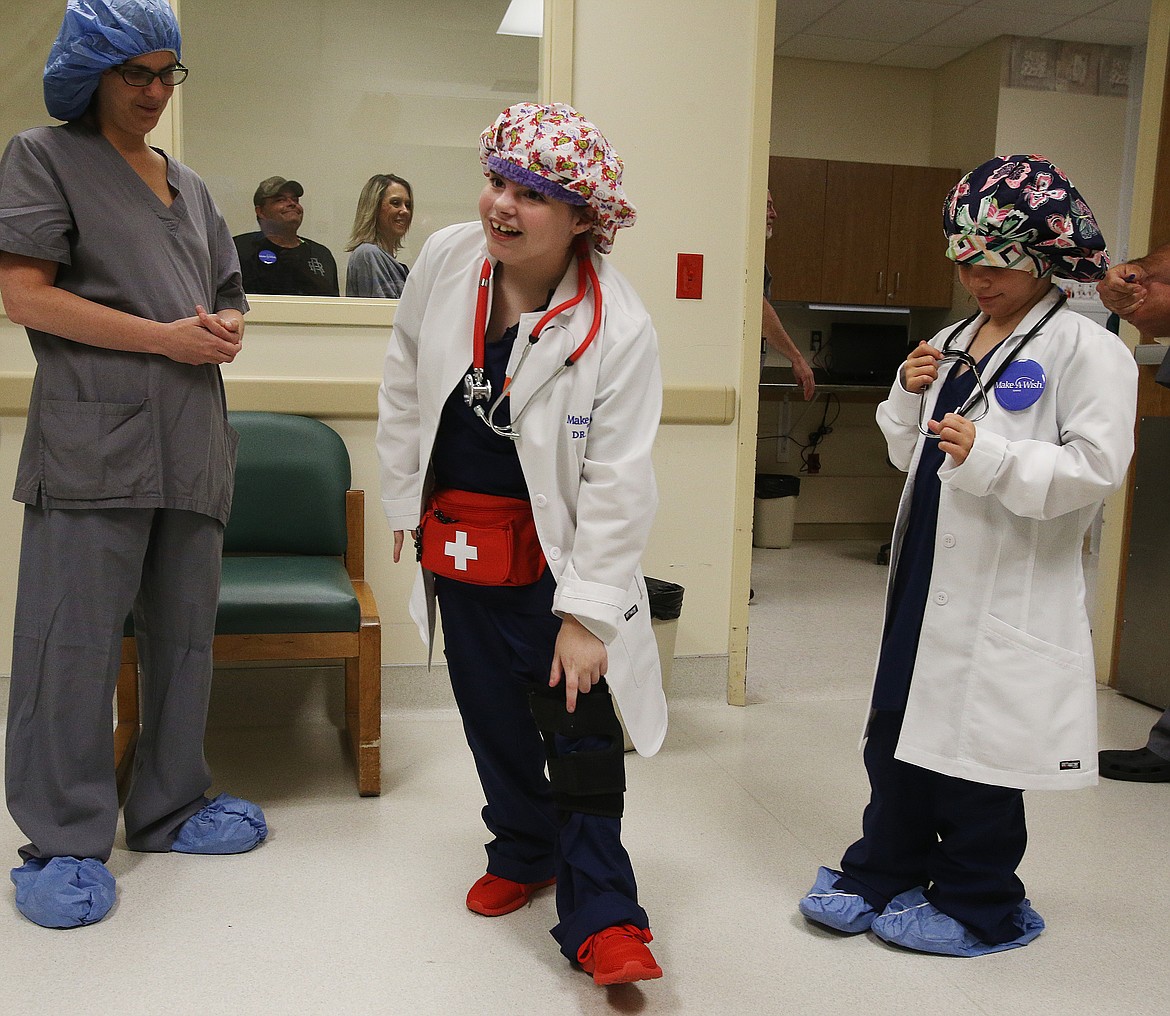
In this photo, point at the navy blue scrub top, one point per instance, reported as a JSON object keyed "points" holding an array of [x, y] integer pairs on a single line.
{"points": [[916, 557], [470, 456]]}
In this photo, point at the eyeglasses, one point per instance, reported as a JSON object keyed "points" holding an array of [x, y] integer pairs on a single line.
{"points": [[976, 406], [140, 77]]}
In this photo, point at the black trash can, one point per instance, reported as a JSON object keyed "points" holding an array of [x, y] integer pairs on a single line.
{"points": [[775, 509]]}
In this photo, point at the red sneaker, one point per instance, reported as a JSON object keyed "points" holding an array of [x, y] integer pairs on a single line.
{"points": [[619, 955], [493, 896]]}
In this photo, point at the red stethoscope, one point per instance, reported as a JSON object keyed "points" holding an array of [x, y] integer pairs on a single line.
{"points": [[477, 389]]}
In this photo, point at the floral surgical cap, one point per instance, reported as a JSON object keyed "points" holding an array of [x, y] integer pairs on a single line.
{"points": [[554, 150], [96, 35], [1022, 212]]}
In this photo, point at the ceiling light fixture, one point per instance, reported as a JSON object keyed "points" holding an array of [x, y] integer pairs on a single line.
{"points": [[523, 17]]}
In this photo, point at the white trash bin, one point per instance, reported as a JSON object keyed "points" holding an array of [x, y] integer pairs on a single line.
{"points": [[775, 510]]}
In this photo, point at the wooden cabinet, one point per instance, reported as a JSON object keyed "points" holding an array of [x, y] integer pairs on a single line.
{"points": [[859, 233], [795, 253]]}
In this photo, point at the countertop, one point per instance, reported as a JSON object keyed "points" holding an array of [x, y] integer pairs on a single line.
{"points": [[780, 381]]}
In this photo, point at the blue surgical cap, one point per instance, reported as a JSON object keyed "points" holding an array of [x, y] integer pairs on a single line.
{"points": [[96, 35]]}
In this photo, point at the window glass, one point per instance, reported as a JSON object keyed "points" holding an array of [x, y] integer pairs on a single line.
{"points": [[331, 94], [27, 30]]}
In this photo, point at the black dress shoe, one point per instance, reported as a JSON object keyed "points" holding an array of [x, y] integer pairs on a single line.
{"points": [[1139, 765]]}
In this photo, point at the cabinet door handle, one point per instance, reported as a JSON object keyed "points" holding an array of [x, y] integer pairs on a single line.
{"points": [[897, 281], [881, 281]]}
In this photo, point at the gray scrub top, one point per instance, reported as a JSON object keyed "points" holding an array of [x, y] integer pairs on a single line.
{"points": [[373, 272], [109, 428]]}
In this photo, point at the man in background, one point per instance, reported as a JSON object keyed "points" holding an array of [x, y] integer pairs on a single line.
{"points": [[1139, 292], [774, 332], [275, 259]]}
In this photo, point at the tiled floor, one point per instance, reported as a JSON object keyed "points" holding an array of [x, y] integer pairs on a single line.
{"points": [[356, 906]]}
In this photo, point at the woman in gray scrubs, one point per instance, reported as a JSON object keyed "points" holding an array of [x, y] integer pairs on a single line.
{"points": [[117, 262]]}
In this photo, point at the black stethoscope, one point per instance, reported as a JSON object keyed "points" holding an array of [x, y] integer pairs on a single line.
{"points": [[477, 389], [982, 388]]}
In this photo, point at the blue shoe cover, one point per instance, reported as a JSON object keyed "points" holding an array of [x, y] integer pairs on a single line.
{"points": [[834, 908], [914, 923], [63, 892], [226, 825]]}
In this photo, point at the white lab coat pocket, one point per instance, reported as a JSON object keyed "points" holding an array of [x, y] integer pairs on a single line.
{"points": [[1025, 704]]}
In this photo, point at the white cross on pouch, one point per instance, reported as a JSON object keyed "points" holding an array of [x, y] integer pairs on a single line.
{"points": [[460, 550]]}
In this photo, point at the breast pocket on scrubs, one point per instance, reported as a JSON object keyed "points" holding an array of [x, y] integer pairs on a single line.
{"points": [[1026, 707], [94, 451]]}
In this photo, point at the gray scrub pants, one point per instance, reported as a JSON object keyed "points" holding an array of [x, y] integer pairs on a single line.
{"points": [[81, 574], [1159, 742]]}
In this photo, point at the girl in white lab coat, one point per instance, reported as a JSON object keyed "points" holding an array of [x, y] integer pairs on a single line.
{"points": [[1013, 427], [528, 463]]}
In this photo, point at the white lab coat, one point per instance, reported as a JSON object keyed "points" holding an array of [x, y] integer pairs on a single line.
{"points": [[584, 448], [1004, 687]]}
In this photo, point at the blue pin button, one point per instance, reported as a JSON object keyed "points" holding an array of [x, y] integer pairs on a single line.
{"points": [[267, 256], [1020, 385]]}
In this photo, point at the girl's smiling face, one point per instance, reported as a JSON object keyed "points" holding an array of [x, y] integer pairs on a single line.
{"points": [[1004, 294], [523, 226]]}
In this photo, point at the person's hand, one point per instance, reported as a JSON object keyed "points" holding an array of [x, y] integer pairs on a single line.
{"points": [[399, 539], [1123, 290], [956, 436], [227, 324], [804, 377], [579, 657], [921, 368], [204, 338]]}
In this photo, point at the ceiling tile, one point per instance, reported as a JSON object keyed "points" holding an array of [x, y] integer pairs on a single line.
{"points": [[890, 31], [1111, 33], [894, 21], [793, 16], [819, 47], [925, 57], [972, 27], [1120, 10], [1009, 9]]}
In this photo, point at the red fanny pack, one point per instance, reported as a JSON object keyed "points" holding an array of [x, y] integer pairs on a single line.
{"points": [[482, 539]]}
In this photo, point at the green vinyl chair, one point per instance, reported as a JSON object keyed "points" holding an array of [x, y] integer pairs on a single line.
{"points": [[293, 584]]}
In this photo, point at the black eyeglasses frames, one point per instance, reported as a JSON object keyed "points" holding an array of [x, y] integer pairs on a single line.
{"points": [[141, 77]]}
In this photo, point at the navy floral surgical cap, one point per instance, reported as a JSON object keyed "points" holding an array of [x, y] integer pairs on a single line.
{"points": [[1022, 212]]}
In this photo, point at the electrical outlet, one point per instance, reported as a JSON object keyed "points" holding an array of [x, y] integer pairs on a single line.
{"points": [[814, 341]]}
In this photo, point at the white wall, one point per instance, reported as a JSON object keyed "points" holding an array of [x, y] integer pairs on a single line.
{"points": [[675, 94], [27, 30], [852, 112], [1082, 134], [965, 110]]}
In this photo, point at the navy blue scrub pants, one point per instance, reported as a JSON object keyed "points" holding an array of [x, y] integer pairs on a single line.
{"points": [[961, 840], [497, 653], [81, 574]]}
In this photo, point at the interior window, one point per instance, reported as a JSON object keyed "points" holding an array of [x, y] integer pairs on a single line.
{"points": [[330, 94]]}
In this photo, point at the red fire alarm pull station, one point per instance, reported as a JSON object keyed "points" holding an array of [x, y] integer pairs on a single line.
{"points": [[690, 277]]}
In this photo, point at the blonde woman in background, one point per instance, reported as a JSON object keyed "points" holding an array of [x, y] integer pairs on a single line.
{"points": [[384, 212]]}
